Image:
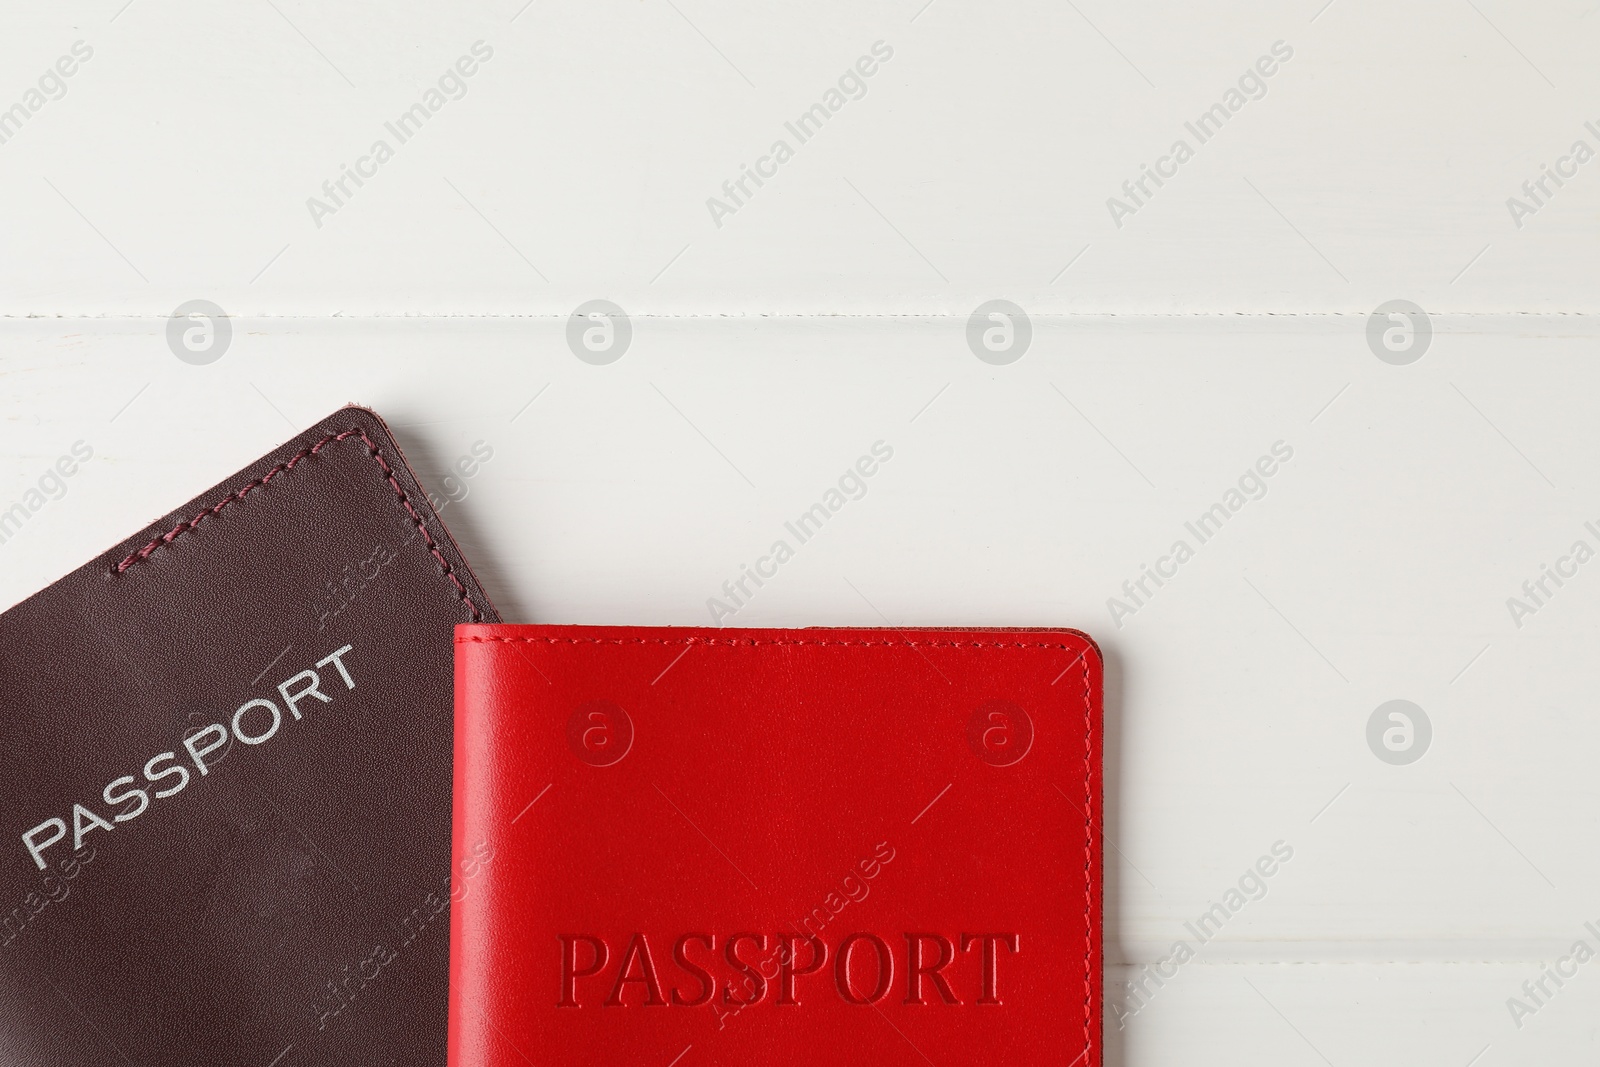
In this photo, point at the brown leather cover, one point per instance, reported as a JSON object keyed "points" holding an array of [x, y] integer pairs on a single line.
{"points": [[288, 904]]}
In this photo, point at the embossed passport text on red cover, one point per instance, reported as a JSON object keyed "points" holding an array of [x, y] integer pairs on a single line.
{"points": [[780, 847], [225, 777]]}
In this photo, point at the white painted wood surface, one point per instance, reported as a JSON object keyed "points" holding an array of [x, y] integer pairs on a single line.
{"points": [[830, 311]]}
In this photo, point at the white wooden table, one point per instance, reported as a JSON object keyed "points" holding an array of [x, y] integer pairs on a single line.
{"points": [[777, 337]]}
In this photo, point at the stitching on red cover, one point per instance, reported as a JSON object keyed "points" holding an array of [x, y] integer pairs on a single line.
{"points": [[288, 465], [1088, 863], [752, 641]]}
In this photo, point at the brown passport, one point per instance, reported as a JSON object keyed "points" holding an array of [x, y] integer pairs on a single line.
{"points": [[225, 777]]}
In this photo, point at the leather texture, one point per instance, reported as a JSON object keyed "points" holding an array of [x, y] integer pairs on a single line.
{"points": [[686, 847], [281, 901]]}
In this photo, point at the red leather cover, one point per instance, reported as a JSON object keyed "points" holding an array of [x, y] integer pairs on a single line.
{"points": [[686, 846]]}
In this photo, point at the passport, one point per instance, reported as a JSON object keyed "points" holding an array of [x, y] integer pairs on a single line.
{"points": [[698, 846], [225, 776]]}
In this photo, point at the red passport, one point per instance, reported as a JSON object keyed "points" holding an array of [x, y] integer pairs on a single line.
{"points": [[687, 846]]}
